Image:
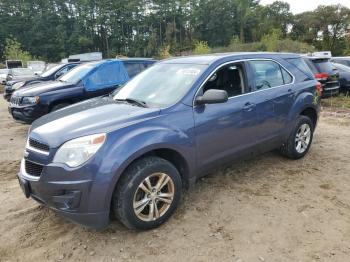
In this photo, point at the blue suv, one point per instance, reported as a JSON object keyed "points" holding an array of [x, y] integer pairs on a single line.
{"points": [[83, 82], [132, 153]]}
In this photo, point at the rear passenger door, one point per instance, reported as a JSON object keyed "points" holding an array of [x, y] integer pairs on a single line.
{"points": [[274, 96]]}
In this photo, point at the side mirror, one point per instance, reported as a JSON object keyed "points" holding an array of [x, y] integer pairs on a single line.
{"points": [[212, 96]]}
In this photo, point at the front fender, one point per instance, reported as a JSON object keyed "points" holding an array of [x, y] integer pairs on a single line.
{"points": [[127, 147]]}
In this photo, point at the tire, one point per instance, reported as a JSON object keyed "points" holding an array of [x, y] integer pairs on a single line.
{"points": [[291, 147], [59, 106], [128, 194]]}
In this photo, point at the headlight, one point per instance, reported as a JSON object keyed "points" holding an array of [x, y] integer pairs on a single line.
{"points": [[18, 85], [77, 151], [30, 100]]}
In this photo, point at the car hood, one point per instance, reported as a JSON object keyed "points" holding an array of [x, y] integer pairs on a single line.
{"points": [[37, 89], [22, 78], [98, 115]]}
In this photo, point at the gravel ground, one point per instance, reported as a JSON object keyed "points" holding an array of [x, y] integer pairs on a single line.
{"points": [[265, 209]]}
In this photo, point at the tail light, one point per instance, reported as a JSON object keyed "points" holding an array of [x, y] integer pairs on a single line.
{"points": [[321, 76], [319, 88]]}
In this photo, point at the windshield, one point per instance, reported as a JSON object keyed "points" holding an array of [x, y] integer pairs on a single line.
{"points": [[51, 71], [22, 72], [78, 73], [161, 85]]}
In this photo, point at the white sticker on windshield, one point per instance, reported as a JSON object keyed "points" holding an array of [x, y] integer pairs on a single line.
{"points": [[188, 71]]}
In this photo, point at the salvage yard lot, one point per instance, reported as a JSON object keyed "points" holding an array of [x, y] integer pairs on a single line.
{"points": [[265, 209]]}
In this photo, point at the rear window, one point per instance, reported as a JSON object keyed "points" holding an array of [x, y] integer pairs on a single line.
{"points": [[323, 65], [302, 66]]}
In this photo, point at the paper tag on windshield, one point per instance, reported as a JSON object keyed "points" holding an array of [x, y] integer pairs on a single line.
{"points": [[188, 71]]}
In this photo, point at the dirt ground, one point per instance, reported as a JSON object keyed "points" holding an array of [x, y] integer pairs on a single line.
{"points": [[265, 209]]}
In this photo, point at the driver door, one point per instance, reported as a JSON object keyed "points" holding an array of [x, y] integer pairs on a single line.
{"points": [[225, 130]]}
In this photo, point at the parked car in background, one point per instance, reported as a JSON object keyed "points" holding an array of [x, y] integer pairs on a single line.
{"points": [[341, 60], [3, 75], [82, 82], [344, 77], [131, 153], [37, 66], [326, 73], [13, 64], [19, 73], [51, 74]]}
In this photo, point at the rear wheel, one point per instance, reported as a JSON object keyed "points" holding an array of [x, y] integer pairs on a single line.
{"points": [[147, 194], [300, 140]]}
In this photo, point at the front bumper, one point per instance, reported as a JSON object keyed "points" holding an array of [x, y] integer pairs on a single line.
{"points": [[25, 114], [8, 93], [65, 193]]}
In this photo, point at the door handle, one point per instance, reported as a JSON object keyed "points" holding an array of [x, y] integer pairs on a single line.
{"points": [[248, 106]]}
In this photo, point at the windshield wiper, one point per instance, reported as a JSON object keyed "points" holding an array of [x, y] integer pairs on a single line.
{"points": [[134, 101]]}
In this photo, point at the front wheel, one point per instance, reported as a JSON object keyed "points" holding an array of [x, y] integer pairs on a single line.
{"points": [[147, 194], [299, 141]]}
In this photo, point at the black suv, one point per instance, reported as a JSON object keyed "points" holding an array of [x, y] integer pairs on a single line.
{"points": [[326, 73], [49, 75], [85, 81]]}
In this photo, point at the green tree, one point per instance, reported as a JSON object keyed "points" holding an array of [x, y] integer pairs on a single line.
{"points": [[13, 51]]}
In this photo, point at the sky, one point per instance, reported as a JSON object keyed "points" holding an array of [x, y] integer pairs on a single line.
{"points": [[299, 6]]}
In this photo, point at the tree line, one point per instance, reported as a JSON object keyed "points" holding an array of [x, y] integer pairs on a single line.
{"points": [[54, 29]]}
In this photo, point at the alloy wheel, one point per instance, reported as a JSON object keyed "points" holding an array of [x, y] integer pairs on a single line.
{"points": [[302, 138], [153, 197]]}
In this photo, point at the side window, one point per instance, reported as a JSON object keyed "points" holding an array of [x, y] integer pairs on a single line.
{"points": [[106, 76], [64, 70], [287, 78], [267, 74], [229, 78], [96, 79], [132, 68]]}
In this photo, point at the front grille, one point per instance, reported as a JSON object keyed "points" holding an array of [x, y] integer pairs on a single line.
{"points": [[33, 169], [38, 145], [15, 101]]}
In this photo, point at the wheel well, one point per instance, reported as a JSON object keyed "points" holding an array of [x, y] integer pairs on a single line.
{"points": [[176, 159], [59, 102], [173, 157], [311, 113]]}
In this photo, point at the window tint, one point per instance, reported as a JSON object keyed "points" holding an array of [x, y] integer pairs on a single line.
{"points": [[311, 65], [229, 78], [323, 65], [64, 70], [267, 74], [132, 68], [302, 67], [287, 78]]}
